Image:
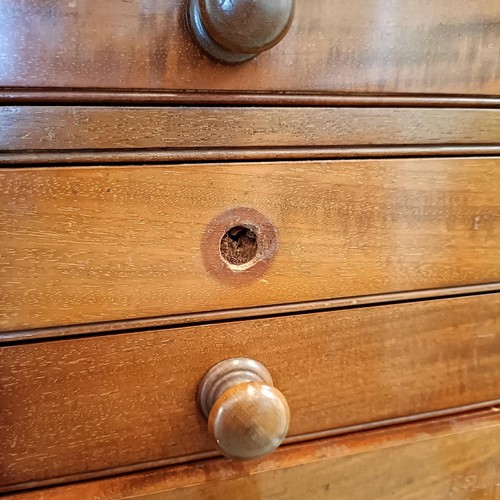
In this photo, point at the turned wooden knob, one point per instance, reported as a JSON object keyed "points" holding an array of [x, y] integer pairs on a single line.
{"points": [[247, 416], [237, 30]]}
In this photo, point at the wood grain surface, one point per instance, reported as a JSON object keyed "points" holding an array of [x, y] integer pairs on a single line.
{"points": [[417, 46], [454, 458], [84, 245], [114, 403], [45, 128]]}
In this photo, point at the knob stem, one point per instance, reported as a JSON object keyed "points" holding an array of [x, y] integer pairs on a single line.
{"points": [[227, 374]]}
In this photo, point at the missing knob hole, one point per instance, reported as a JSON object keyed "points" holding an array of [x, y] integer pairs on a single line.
{"points": [[238, 246], [239, 234]]}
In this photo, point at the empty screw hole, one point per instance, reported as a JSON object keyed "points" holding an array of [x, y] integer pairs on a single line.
{"points": [[238, 246]]}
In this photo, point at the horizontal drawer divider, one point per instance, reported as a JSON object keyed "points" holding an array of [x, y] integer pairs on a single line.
{"points": [[219, 155], [231, 315], [137, 97]]}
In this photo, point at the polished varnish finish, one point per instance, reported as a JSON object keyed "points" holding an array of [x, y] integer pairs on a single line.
{"points": [[93, 244], [132, 128], [247, 416], [453, 457], [420, 46], [107, 404]]}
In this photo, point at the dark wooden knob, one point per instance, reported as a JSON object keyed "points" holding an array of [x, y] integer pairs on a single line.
{"points": [[247, 416], [237, 30]]}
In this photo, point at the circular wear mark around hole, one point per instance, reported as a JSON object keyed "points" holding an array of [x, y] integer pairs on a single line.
{"points": [[239, 245]]}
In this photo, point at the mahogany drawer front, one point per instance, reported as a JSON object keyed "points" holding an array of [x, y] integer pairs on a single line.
{"points": [[216, 131], [93, 244], [456, 457], [419, 46], [73, 408]]}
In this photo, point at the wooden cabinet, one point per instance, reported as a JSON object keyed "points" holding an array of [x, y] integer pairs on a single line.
{"points": [[310, 190]]}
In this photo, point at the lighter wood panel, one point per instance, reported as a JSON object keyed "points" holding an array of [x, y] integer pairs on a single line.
{"points": [[416, 46], [83, 245], [46, 128], [457, 458], [114, 403]]}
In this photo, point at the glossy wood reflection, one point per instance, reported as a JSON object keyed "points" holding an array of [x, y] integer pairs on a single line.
{"points": [[122, 402], [82, 245], [419, 46]]}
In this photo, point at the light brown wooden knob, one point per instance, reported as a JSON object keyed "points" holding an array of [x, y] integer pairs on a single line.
{"points": [[247, 416], [237, 30]]}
